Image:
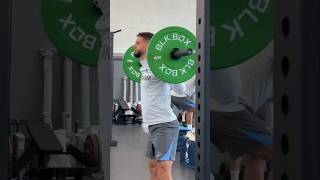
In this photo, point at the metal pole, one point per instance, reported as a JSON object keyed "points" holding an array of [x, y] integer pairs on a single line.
{"points": [[85, 97], [67, 114], [5, 39], [124, 88], [136, 92], [131, 92], [105, 74], [203, 84], [47, 55]]}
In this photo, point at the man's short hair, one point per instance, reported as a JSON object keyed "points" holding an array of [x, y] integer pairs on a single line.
{"points": [[145, 35]]}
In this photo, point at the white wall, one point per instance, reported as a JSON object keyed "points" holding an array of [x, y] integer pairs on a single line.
{"points": [[134, 16]]}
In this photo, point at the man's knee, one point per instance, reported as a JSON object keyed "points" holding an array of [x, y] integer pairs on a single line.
{"points": [[265, 153], [164, 167], [153, 167]]}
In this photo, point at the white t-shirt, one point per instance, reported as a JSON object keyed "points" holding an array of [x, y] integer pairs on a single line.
{"points": [[178, 90], [187, 88], [225, 90], [257, 79], [155, 98], [191, 86], [246, 85]]}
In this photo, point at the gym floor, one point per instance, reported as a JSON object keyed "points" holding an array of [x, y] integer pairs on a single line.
{"points": [[128, 160]]}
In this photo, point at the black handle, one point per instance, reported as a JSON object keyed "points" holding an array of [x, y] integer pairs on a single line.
{"points": [[177, 53], [117, 31]]}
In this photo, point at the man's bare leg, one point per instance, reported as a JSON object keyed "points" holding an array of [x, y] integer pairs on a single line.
{"points": [[256, 164], [234, 167], [189, 118], [153, 169], [255, 168], [164, 170], [183, 115]]}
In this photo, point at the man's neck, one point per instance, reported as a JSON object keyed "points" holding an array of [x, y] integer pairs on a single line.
{"points": [[143, 57]]}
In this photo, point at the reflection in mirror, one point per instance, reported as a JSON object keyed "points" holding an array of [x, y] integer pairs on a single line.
{"points": [[242, 118]]}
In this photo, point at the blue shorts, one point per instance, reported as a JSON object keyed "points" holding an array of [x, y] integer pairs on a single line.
{"points": [[162, 141], [239, 132]]}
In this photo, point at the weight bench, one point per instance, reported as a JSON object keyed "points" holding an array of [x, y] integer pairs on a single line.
{"points": [[124, 105], [45, 140], [122, 117], [44, 144]]}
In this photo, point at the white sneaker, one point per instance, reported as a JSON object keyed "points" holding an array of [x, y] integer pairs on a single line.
{"points": [[191, 136]]}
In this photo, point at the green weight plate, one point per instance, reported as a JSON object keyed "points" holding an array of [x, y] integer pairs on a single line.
{"points": [[159, 57], [70, 25], [131, 65], [239, 30]]}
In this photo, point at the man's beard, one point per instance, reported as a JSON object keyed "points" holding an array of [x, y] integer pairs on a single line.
{"points": [[137, 54]]}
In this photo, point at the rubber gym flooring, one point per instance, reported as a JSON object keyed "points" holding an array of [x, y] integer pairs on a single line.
{"points": [[128, 160]]}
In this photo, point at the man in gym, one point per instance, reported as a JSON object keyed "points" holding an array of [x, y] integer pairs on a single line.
{"points": [[180, 99], [157, 114], [238, 92]]}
